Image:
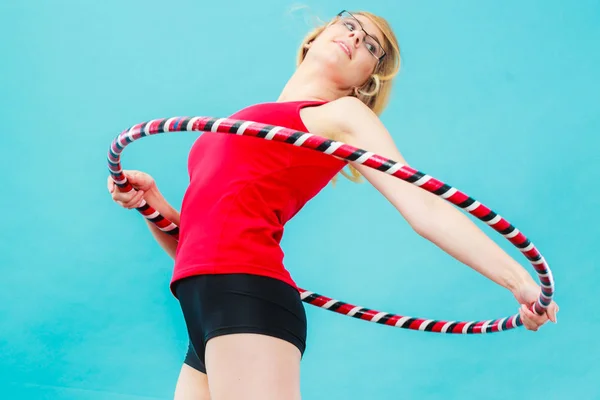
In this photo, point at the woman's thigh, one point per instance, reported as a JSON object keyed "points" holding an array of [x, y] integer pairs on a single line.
{"points": [[192, 382], [252, 328], [191, 385], [252, 367]]}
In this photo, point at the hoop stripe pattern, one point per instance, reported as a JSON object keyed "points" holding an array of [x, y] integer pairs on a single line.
{"points": [[360, 156]]}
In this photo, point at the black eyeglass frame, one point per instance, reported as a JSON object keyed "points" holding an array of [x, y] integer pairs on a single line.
{"points": [[341, 15]]}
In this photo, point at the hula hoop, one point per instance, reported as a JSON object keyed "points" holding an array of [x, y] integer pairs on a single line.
{"points": [[356, 155]]}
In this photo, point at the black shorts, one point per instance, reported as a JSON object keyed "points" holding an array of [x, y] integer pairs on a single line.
{"points": [[221, 304]]}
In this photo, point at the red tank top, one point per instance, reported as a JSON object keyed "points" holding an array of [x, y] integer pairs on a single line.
{"points": [[242, 191]]}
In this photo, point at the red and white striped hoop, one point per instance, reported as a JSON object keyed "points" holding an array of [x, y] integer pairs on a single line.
{"points": [[356, 155]]}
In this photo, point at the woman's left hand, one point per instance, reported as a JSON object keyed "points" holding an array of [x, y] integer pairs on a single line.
{"points": [[527, 295]]}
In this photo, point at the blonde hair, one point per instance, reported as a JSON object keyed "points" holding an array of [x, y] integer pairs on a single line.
{"points": [[375, 93]]}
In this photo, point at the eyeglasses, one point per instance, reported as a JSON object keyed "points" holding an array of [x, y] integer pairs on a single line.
{"points": [[371, 42]]}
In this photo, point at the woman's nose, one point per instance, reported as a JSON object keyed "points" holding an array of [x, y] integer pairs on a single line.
{"points": [[357, 36]]}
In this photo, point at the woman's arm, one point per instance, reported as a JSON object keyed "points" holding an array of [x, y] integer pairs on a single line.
{"points": [[146, 190], [431, 217]]}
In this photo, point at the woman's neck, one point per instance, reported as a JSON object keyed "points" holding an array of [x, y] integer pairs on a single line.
{"points": [[309, 83]]}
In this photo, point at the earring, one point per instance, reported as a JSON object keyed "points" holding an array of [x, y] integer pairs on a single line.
{"points": [[377, 81]]}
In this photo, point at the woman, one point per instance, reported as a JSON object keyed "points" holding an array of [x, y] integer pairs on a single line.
{"points": [[243, 313]]}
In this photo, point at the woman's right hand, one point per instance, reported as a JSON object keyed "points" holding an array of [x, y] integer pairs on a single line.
{"points": [[142, 183]]}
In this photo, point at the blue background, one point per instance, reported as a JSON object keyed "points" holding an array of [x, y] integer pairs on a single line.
{"points": [[500, 99]]}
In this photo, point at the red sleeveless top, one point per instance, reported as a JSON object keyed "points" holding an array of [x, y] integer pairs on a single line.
{"points": [[242, 191]]}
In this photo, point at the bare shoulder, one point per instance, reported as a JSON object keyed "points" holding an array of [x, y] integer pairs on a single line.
{"points": [[350, 121], [339, 119]]}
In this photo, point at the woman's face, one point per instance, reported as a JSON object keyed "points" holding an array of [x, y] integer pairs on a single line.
{"points": [[350, 48]]}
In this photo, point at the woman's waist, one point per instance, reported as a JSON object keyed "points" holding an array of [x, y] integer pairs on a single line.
{"points": [[221, 248]]}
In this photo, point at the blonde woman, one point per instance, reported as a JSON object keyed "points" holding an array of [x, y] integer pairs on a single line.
{"points": [[242, 309]]}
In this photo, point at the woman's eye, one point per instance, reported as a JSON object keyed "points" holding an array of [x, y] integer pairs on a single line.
{"points": [[350, 25]]}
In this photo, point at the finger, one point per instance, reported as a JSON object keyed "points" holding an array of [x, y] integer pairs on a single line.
{"points": [[136, 200], [530, 325], [142, 181], [139, 203], [527, 322], [132, 176], [122, 203], [536, 318], [552, 311], [524, 319], [116, 189], [124, 197], [533, 320], [133, 200], [110, 184]]}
